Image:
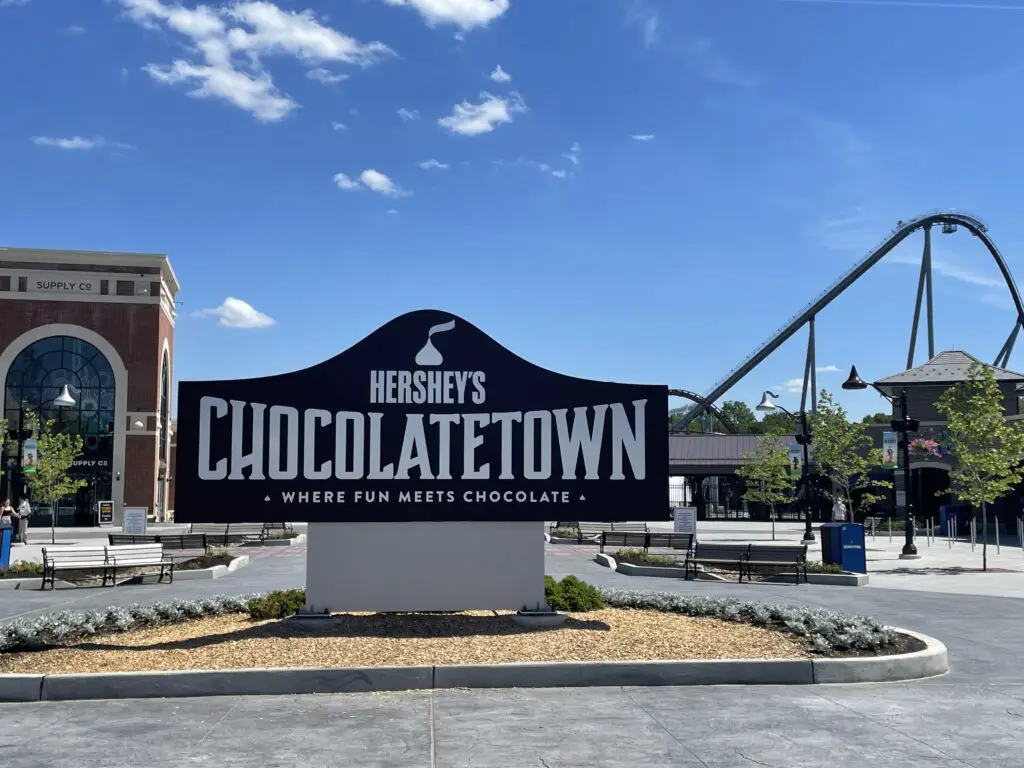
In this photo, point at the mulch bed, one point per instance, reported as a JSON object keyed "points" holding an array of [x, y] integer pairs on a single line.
{"points": [[203, 561]]}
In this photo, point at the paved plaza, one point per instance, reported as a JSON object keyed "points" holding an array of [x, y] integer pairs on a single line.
{"points": [[972, 717]]}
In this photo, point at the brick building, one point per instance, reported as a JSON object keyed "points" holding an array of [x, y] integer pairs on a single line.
{"points": [[100, 325]]}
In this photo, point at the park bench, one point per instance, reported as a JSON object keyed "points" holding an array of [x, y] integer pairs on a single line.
{"points": [[723, 555], [74, 559], [177, 541], [225, 533], [627, 539], [631, 527], [591, 531], [647, 540], [683, 541], [780, 556], [140, 556]]}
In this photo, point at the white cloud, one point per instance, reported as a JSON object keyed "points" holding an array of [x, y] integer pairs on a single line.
{"points": [[642, 137], [796, 386], [408, 114], [231, 42], [325, 76], [647, 19], [4, 3], [339, 126], [373, 180], [523, 162], [345, 181], [499, 75], [469, 119], [391, 211], [828, 369], [76, 142], [465, 14], [377, 182], [573, 155], [75, 29], [559, 174], [235, 313], [427, 165]]}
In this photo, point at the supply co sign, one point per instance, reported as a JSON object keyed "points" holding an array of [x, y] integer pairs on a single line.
{"points": [[427, 419]]}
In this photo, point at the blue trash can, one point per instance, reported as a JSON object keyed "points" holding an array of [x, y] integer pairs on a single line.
{"points": [[6, 534], [842, 544]]}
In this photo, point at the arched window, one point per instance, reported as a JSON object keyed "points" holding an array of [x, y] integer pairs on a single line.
{"points": [[165, 407], [39, 373]]}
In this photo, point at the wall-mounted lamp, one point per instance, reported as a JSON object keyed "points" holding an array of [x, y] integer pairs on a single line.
{"points": [[138, 424]]}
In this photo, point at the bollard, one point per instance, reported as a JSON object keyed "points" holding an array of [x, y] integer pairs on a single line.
{"points": [[950, 521], [997, 535], [974, 533], [890, 530]]}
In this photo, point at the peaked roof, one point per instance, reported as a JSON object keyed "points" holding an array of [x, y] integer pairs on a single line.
{"points": [[947, 367]]}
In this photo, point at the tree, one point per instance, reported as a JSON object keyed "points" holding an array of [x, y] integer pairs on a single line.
{"points": [[843, 454], [766, 473], [987, 449], [57, 452], [779, 422], [741, 416], [877, 418]]}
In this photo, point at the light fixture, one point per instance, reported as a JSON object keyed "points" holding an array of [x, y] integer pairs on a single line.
{"points": [[137, 424], [766, 403], [854, 381], [64, 399]]}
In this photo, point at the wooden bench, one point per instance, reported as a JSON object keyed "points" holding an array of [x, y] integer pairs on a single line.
{"points": [[74, 559], [631, 527], [591, 531], [628, 539], [140, 556], [225, 533], [170, 541], [778, 555], [682, 541], [731, 555]]}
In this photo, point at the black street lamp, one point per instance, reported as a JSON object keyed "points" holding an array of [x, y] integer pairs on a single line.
{"points": [[904, 425], [804, 439]]}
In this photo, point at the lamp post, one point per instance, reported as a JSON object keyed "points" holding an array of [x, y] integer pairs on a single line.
{"points": [[804, 439], [904, 425], [62, 401]]}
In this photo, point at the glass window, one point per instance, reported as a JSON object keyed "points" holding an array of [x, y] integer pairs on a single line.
{"points": [[165, 408], [39, 373]]}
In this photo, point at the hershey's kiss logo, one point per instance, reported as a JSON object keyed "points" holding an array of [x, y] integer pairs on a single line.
{"points": [[428, 355]]}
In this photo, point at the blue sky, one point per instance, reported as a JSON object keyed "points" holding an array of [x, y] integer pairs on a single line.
{"points": [[642, 192]]}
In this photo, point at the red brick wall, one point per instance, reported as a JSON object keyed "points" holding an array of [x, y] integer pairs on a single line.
{"points": [[136, 331]]}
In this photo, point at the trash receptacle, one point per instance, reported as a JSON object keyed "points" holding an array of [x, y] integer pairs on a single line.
{"points": [[842, 544], [6, 533]]}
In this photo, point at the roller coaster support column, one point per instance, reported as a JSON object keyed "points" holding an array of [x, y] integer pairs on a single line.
{"points": [[924, 291], [810, 371]]}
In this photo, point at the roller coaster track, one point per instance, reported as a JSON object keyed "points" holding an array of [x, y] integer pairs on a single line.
{"points": [[705, 406], [903, 230]]}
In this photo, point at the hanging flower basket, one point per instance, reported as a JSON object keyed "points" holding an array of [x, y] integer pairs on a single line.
{"points": [[925, 448]]}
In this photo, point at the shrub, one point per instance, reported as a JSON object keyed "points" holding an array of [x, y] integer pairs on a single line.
{"points": [[816, 567], [571, 594], [23, 568], [289, 534], [565, 533], [639, 556], [278, 604], [823, 630], [70, 626]]}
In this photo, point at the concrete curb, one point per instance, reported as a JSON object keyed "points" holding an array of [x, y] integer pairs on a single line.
{"points": [[930, 662], [832, 579], [606, 560], [214, 572], [300, 539], [657, 571], [35, 582]]}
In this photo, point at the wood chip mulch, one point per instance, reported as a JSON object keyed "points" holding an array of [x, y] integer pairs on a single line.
{"points": [[357, 640]]}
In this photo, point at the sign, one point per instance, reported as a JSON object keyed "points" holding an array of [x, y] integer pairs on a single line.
{"points": [[426, 419], [796, 459], [105, 512], [890, 450], [684, 520], [135, 521], [29, 455], [62, 283]]}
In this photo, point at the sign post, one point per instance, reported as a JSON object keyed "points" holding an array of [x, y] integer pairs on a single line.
{"points": [[425, 459], [684, 520], [135, 519], [105, 513]]}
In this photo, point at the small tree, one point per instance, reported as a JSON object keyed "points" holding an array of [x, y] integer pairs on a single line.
{"points": [[766, 473], [987, 449], [57, 452], [843, 454]]}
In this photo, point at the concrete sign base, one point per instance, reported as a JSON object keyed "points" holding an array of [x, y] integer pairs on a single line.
{"points": [[424, 566]]}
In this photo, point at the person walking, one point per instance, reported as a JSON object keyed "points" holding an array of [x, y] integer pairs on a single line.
{"points": [[24, 513], [7, 513]]}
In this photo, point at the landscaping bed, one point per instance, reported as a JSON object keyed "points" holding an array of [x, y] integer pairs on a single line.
{"points": [[207, 560], [603, 625]]}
